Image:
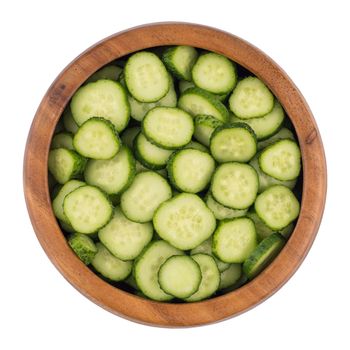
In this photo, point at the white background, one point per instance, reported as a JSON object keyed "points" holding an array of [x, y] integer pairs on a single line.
{"points": [[39, 309]]}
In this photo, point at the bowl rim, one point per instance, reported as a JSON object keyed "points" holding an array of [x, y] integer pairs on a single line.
{"points": [[122, 303]]}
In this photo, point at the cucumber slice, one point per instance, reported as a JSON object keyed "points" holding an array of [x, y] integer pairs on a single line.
{"points": [[267, 125], [140, 109], [87, 209], [277, 207], [143, 197], [103, 98], [206, 248], [234, 240], [251, 99], [110, 72], [230, 276], [197, 101], [62, 140], [281, 160], [214, 73], [97, 139], [184, 85], [112, 175], [150, 155], [283, 133], [196, 145], [262, 256], [65, 164], [125, 239], [69, 123], [184, 221], [235, 185], [210, 277], [128, 136], [57, 203], [265, 181], [287, 231], [147, 266], [66, 227], [140, 168], [109, 266], [180, 60], [168, 127], [263, 231], [204, 126], [221, 212], [179, 276], [190, 170], [146, 77], [233, 142], [83, 246]]}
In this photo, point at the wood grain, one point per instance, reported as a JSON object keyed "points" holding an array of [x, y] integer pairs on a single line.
{"points": [[125, 304]]}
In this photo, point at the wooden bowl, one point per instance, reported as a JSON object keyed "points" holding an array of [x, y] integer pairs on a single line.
{"points": [[125, 304]]}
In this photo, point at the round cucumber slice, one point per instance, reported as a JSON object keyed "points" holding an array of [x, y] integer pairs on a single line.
{"points": [[168, 127], [204, 126], [234, 240], [109, 266], [110, 72], [267, 125], [150, 155], [281, 160], [124, 238], [235, 185], [214, 73], [97, 139], [57, 203], [283, 133], [206, 248], [184, 221], [147, 266], [197, 101], [180, 60], [233, 143], [65, 164], [62, 140], [180, 276], [277, 207], [87, 209], [262, 256], [112, 175], [230, 276], [140, 201], [146, 77], [190, 170], [251, 99], [266, 181], [221, 212], [83, 246], [210, 277], [103, 98]]}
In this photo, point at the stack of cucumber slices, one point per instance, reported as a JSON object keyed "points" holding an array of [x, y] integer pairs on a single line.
{"points": [[172, 174]]}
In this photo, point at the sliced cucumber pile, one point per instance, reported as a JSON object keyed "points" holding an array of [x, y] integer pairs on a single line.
{"points": [[192, 196]]}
